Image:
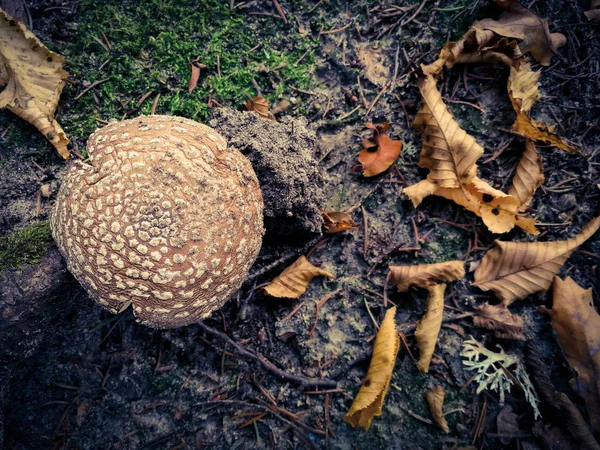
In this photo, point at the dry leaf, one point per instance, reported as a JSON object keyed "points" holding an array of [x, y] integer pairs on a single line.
{"points": [[334, 222], [260, 105], [195, 76], [514, 270], [593, 14], [373, 60], [426, 275], [577, 326], [498, 318], [531, 129], [528, 177], [576, 423], [294, 280], [379, 152], [518, 22], [34, 80], [435, 399], [369, 400], [429, 326], [523, 86]]}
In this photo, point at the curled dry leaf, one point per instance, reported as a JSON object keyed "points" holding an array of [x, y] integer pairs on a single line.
{"points": [[514, 270], [435, 400], [379, 152], [428, 328], [576, 423], [593, 14], [294, 280], [34, 78], [260, 105], [369, 400], [505, 324], [531, 129], [334, 222], [577, 326], [426, 275], [528, 177], [194, 77]]}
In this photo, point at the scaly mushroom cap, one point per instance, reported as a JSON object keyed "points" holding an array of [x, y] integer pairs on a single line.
{"points": [[165, 218]]}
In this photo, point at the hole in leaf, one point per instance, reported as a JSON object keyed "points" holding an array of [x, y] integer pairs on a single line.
{"points": [[495, 211], [367, 383], [487, 198], [49, 59]]}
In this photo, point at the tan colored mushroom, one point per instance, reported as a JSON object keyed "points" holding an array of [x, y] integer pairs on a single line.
{"points": [[165, 218]]}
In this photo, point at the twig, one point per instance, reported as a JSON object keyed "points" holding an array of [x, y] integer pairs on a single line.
{"points": [[365, 232], [418, 417], [319, 306], [337, 30], [294, 311], [302, 380], [348, 114], [280, 11], [91, 86], [377, 98], [155, 104], [460, 102]]}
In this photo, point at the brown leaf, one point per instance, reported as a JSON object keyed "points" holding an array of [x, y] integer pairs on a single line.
{"points": [[260, 105], [379, 152], [426, 275], [518, 22], [523, 86], [577, 326], [194, 77], [428, 328], [593, 14], [576, 423], [531, 129], [294, 280], [528, 177], [435, 400], [369, 400], [34, 80], [498, 318], [514, 270], [334, 222]]}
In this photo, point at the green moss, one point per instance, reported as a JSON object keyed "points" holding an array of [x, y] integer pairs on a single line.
{"points": [[26, 246], [454, 242]]}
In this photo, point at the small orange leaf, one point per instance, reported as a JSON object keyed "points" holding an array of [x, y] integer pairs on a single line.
{"points": [[260, 105], [369, 400], [334, 222], [294, 280], [379, 152], [435, 400], [194, 77]]}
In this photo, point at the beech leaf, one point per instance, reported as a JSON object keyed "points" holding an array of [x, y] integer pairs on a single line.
{"points": [[593, 14], [194, 77], [428, 328], [435, 400], [514, 270], [505, 324], [34, 79], [528, 177], [334, 222], [426, 275], [369, 400], [260, 105], [576, 423], [379, 152], [577, 326], [294, 280]]}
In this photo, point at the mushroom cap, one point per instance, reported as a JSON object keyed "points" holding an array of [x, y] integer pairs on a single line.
{"points": [[165, 218]]}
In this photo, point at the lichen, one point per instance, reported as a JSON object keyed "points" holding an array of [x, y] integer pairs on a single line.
{"points": [[26, 246]]}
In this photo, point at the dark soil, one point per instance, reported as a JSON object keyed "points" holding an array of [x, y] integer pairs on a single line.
{"points": [[87, 379]]}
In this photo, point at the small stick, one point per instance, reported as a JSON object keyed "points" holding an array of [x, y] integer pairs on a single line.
{"points": [[365, 232], [418, 417], [319, 306], [337, 30], [403, 339], [302, 57], [106, 40], [280, 11], [155, 104], [387, 85], [91, 86], [294, 311], [460, 102], [218, 66], [348, 114], [479, 422]]}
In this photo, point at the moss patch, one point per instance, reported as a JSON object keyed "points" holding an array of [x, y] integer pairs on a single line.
{"points": [[26, 246]]}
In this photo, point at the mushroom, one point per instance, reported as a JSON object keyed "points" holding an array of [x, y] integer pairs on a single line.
{"points": [[165, 218]]}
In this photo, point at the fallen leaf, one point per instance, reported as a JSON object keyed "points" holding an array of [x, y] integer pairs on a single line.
{"points": [[294, 280], [529, 176], [520, 23], [260, 105], [508, 424], [426, 275], [34, 80], [577, 326], [428, 328], [369, 400], [379, 152], [505, 324], [593, 14], [194, 77], [531, 129], [435, 399], [373, 60], [576, 423], [514, 270], [334, 222], [523, 86]]}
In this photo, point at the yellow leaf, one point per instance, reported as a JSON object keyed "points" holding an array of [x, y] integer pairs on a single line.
{"points": [[514, 270], [379, 152], [294, 280], [34, 80], [426, 275], [577, 326], [334, 222], [531, 129], [528, 177], [523, 86], [429, 326], [435, 400], [369, 400]]}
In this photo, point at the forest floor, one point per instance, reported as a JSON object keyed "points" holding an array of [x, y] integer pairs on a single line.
{"points": [[104, 381]]}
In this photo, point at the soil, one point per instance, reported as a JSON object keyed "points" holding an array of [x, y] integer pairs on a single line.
{"points": [[86, 379]]}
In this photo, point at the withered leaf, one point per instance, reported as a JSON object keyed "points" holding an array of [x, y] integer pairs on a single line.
{"points": [[576, 423], [593, 14], [260, 105], [34, 78], [334, 222], [577, 326], [528, 177], [518, 22], [514, 270], [294, 280], [435, 400], [428, 328], [194, 77], [426, 275], [498, 318], [369, 400], [379, 152], [531, 129]]}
